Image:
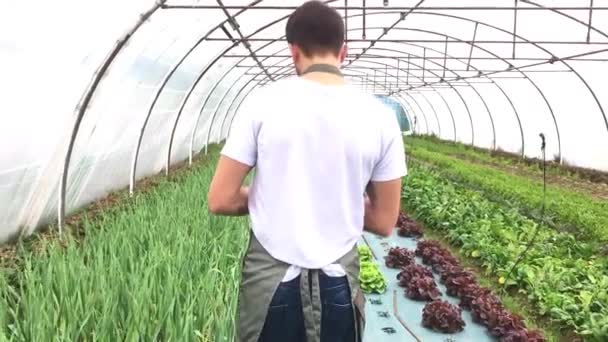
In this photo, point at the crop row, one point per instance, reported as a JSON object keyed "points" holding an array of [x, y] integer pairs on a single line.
{"points": [[559, 274], [158, 268], [506, 159], [486, 308], [571, 211]]}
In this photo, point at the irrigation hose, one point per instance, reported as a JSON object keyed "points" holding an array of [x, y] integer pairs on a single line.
{"points": [[529, 245]]}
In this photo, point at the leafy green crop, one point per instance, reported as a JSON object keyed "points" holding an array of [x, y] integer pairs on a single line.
{"points": [[370, 277], [559, 274], [365, 253], [571, 211], [159, 268]]}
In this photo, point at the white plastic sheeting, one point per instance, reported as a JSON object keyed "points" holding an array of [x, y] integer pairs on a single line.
{"points": [[463, 70]]}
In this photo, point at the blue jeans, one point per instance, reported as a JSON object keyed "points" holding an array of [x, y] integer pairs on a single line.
{"points": [[285, 320]]}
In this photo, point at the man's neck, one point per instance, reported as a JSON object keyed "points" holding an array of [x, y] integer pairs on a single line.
{"points": [[323, 77]]}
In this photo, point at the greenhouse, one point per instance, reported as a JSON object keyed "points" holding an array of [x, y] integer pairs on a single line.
{"points": [[114, 114]]}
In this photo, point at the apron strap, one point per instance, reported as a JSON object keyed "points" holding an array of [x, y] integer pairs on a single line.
{"points": [[325, 68], [311, 303]]}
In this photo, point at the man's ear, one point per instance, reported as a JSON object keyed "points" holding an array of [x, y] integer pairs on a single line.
{"points": [[295, 53], [343, 53]]}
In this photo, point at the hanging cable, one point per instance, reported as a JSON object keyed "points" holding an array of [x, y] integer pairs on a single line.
{"points": [[522, 255]]}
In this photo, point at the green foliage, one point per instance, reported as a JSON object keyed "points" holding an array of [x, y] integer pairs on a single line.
{"points": [[159, 268], [370, 277], [560, 275], [569, 210], [481, 155], [365, 253]]}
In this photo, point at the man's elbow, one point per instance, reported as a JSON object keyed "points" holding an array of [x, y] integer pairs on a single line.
{"points": [[386, 230], [387, 225], [215, 204]]}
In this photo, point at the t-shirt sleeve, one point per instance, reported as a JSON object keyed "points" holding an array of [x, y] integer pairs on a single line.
{"points": [[391, 164], [241, 145]]}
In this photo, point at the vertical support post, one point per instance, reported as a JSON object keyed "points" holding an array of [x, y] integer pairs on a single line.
{"points": [[445, 54], [83, 105], [375, 72], [385, 75], [589, 23], [398, 70], [364, 15], [407, 75], [423, 66], [472, 45], [515, 25], [346, 21]]}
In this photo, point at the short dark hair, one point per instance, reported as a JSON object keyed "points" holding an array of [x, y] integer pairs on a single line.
{"points": [[316, 29]]}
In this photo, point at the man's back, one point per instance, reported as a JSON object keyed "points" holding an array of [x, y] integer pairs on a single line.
{"points": [[317, 148]]}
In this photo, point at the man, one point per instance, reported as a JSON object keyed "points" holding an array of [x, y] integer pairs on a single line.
{"points": [[328, 164]]}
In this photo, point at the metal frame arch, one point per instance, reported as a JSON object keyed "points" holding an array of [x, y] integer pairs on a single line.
{"points": [[400, 96], [258, 83], [287, 74], [483, 49], [493, 54], [452, 71], [232, 102], [426, 121], [363, 60], [392, 67], [405, 103], [478, 47], [502, 90], [165, 81], [234, 44], [581, 78], [456, 90], [391, 12], [559, 12], [289, 66], [184, 100], [395, 98], [160, 89], [86, 99], [218, 106]]}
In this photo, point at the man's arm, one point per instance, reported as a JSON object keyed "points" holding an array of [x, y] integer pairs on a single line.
{"points": [[383, 192], [227, 195], [382, 202]]}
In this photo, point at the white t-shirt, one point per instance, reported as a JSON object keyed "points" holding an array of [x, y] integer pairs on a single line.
{"points": [[315, 148]]}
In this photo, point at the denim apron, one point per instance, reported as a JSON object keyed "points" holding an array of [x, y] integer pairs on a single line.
{"points": [[262, 274]]}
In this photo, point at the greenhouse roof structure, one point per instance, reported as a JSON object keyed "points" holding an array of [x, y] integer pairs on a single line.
{"points": [[100, 95]]}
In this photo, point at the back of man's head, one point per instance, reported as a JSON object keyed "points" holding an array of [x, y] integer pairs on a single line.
{"points": [[316, 29]]}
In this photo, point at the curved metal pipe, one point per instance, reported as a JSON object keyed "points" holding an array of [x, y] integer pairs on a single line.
{"points": [[578, 75], [362, 60], [259, 82], [439, 93], [475, 45], [86, 99], [143, 128], [232, 102], [234, 44]]}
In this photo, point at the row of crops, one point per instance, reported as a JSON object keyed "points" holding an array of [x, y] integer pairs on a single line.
{"points": [[489, 215], [567, 210], [420, 271], [159, 267], [155, 268]]}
